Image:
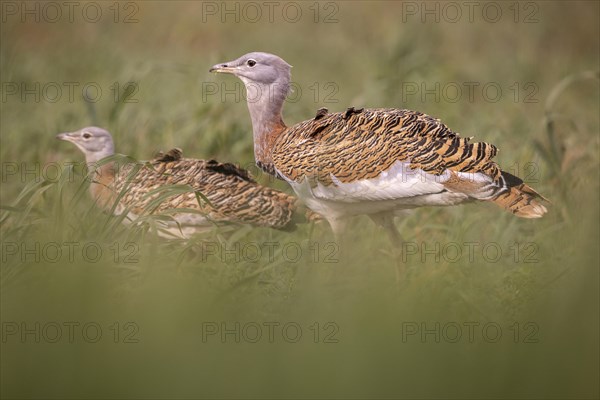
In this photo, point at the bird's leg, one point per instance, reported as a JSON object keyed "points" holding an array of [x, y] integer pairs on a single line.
{"points": [[338, 226], [386, 221]]}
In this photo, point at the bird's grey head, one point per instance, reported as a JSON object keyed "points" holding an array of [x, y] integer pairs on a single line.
{"points": [[257, 67], [96, 143], [267, 80]]}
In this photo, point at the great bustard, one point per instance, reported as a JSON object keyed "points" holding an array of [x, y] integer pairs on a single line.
{"points": [[371, 161], [232, 194]]}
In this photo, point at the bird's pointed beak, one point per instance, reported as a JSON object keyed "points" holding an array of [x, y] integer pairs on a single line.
{"points": [[224, 68], [65, 136]]}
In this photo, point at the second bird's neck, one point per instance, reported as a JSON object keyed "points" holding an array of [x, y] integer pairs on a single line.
{"points": [[265, 102], [102, 178]]}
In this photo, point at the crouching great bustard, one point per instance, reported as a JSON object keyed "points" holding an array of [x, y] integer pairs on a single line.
{"points": [[233, 196], [370, 161]]}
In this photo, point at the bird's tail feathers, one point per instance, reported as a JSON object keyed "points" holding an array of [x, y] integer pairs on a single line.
{"points": [[522, 200]]}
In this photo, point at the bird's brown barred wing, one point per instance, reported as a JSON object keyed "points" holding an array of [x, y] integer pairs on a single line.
{"points": [[232, 195], [360, 145]]}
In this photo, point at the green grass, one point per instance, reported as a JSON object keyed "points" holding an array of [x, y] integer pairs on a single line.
{"points": [[173, 290]]}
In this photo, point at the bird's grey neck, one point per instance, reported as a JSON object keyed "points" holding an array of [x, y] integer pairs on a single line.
{"points": [[94, 158], [265, 102], [99, 170]]}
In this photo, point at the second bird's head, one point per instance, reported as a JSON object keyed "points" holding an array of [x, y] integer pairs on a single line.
{"points": [[96, 143], [257, 67]]}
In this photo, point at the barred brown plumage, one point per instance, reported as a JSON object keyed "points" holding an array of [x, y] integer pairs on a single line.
{"points": [[228, 193], [400, 135], [370, 161]]}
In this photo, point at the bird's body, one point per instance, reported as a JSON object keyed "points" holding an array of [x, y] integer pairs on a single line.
{"points": [[233, 196], [371, 161], [376, 160], [226, 193]]}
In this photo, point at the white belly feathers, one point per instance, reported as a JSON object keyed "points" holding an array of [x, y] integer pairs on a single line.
{"points": [[400, 187]]}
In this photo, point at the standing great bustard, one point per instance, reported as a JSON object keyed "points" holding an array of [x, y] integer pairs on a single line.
{"points": [[372, 161], [233, 196]]}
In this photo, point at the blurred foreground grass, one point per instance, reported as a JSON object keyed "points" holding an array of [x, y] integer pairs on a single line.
{"points": [[176, 292]]}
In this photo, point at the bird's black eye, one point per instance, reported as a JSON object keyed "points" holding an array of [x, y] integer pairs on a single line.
{"points": [[86, 135], [251, 63]]}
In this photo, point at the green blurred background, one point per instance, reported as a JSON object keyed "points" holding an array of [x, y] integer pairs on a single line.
{"points": [[372, 343]]}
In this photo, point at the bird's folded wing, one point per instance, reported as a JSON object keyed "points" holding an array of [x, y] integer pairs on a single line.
{"points": [[361, 145]]}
